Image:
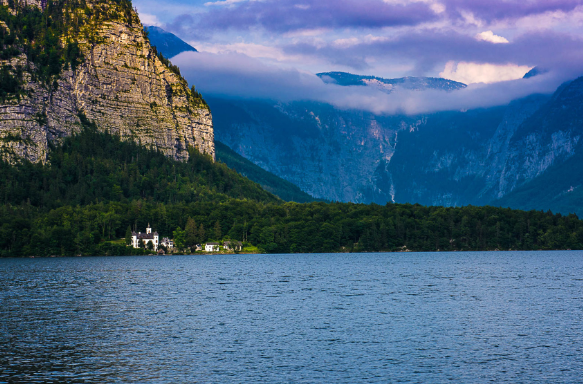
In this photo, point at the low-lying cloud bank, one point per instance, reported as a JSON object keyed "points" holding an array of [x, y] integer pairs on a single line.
{"points": [[238, 76]]}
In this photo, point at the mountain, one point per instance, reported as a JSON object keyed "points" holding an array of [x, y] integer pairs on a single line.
{"points": [[552, 154], [329, 153], [411, 83], [534, 72], [268, 181], [167, 43], [89, 59], [509, 155]]}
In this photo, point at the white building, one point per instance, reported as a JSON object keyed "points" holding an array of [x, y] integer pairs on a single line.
{"points": [[233, 245], [166, 242], [147, 237], [211, 247]]}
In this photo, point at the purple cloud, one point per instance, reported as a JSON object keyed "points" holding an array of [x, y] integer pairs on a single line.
{"points": [[282, 16], [291, 15], [431, 48], [493, 10]]}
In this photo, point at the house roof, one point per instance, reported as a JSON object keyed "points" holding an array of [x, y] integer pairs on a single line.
{"points": [[232, 242], [145, 236]]}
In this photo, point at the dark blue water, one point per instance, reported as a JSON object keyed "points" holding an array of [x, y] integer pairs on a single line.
{"points": [[512, 317]]}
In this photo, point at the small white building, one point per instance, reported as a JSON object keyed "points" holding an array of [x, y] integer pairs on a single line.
{"points": [[211, 247], [233, 245], [166, 242], [147, 237]]}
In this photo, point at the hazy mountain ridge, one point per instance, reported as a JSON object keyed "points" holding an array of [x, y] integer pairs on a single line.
{"points": [[411, 83]]}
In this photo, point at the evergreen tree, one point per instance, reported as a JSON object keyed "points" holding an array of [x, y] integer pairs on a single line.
{"points": [[201, 234], [191, 233], [128, 235], [217, 232]]}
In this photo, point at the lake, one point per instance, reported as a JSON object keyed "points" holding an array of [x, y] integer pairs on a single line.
{"points": [[475, 317]]}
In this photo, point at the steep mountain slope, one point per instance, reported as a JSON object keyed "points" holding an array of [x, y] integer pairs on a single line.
{"points": [[167, 43], [328, 153], [460, 158], [268, 181], [91, 60]]}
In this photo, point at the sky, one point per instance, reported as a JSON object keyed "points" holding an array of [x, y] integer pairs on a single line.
{"points": [[281, 44]]}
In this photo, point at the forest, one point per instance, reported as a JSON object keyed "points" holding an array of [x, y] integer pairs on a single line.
{"points": [[96, 187]]}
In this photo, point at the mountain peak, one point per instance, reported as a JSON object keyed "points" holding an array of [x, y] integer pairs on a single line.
{"points": [[167, 43], [409, 82]]}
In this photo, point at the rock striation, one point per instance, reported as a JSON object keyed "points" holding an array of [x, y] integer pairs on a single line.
{"points": [[121, 85]]}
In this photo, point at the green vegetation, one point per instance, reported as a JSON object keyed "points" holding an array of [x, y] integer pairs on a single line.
{"points": [[38, 35], [96, 187], [271, 183]]}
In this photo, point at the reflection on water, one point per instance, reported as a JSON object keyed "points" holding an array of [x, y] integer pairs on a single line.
{"points": [[425, 317]]}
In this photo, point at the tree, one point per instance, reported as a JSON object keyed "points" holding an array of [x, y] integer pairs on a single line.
{"points": [[150, 245], [191, 233], [128, 235], [179, 237], [217, 232], [201, 234], [141, 244]]}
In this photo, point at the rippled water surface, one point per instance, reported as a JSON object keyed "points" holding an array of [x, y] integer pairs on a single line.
{"points": [[411, 317]]}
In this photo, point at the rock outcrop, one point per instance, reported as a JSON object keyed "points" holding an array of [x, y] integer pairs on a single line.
{"points": [[120, 84]]}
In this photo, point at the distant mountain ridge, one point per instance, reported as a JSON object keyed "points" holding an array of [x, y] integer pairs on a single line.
{"points": [[167, 43], [412, 83]]}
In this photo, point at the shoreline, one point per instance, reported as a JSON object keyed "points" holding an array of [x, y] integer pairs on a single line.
{"points": [[298, 253]]}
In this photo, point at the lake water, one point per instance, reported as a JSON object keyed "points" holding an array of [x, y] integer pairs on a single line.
{"points": [[480, 317]]}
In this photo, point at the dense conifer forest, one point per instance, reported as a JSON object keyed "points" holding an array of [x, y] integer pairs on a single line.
{"points": [[95, 188]]}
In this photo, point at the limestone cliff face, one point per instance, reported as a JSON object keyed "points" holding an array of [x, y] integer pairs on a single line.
{"points": [[121, 85]]}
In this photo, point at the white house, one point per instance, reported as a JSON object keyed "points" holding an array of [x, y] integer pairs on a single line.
{"points": [[233, 245], [166, 242], [211, 247], [147, 237]]}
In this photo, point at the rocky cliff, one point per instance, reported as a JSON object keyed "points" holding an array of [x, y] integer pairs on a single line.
{"points": [[446, 158], [115, 80]]}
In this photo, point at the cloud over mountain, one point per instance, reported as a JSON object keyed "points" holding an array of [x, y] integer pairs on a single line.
{"points": [[239, 76]]}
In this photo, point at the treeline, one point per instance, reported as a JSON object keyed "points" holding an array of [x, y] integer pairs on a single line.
{"points": [[95, 187], [280, 228]]}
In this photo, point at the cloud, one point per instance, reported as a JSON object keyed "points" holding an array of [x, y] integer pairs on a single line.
{"points": [[150, 20], [491, 37], [470, 73], [430, 49], [294, 15], [496, 10], [222, 3], [238, 76]]}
